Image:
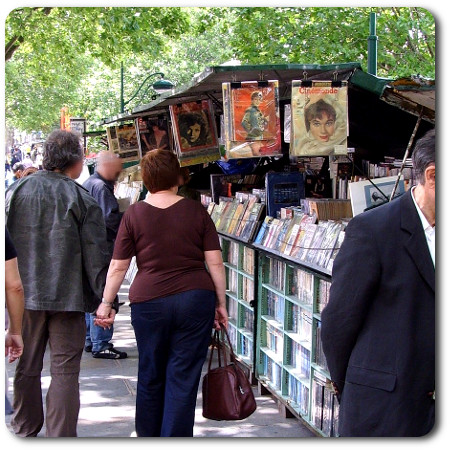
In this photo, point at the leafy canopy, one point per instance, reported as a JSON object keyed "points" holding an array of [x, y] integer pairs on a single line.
{"points": [[71, 56]]}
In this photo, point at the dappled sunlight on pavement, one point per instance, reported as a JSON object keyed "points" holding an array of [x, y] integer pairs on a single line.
{"points": [[108, 395]]}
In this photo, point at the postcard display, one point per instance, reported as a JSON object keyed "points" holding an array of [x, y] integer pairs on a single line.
{"points": [[195, 134], [319, 118], [251, 119]]}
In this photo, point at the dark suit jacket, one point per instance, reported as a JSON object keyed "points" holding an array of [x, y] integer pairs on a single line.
{"points": [[378, 330]]}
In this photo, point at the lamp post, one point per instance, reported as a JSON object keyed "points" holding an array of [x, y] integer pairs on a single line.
{"points": [[159, 86]]}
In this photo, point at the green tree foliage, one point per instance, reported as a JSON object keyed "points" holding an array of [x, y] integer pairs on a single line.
{"points": [[406, 37], [71, 56]]}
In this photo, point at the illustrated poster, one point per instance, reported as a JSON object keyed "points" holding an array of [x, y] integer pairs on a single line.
{"points": [[195, 132], [252, 119], [124, 142], [153, 133], [319, 119]]}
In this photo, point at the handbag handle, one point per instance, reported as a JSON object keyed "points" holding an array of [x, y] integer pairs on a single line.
{"points": [[224, 331], [216, 343]]}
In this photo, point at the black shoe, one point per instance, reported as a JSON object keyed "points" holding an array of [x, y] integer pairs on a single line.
{"points": [[110, 353], [88, 348]]}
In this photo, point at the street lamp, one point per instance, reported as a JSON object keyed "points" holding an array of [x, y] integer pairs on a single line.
{"points": [[160, 86]]}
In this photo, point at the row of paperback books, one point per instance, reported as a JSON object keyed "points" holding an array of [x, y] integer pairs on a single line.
{"points": [[320, 359], [301, 285], [301, 359], [245, 347], [390, 167], [232, 309], [275, 306], [232, 281], [301, 323], [239, 218], [248, 289], [324, 406], [277, 270], [249, 320], [323, 294], [274, 339], [299, 393], [303, 240], [327, 208], [248, 261], [233, 253], [272, 371]]}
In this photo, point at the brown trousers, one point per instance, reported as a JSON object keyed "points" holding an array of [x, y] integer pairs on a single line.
{"points": [[64, 332]]}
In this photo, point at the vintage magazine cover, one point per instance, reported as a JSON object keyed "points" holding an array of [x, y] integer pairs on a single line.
{"points": [[113, 142], [195, 133], [125, 143], [251, 119], [319, 119], [153, 133]]}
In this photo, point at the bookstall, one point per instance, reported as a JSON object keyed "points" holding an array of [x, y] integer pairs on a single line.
{"points": [[281, 197]]}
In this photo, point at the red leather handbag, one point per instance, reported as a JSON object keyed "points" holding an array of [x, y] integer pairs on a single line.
{"points": [[227, 393]]}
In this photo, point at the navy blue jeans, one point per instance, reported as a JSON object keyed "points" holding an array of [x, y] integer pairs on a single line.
{"points": [[172, 336]]}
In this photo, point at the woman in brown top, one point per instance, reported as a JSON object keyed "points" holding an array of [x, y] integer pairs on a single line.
{"points": [[175, 299]]}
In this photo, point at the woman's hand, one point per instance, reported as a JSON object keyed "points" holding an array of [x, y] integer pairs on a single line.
{"points": [[221, 317], [13, 346], [105, 316]]}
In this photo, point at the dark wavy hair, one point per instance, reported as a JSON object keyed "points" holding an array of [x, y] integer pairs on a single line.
{"points": [[424, 155], [62, 149], [186, 120], [315, 111]]}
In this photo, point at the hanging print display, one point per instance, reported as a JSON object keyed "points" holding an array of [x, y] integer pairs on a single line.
{"points": [[122, 140], [318, 118], [252, 119], [195, 132], [153, 133]]}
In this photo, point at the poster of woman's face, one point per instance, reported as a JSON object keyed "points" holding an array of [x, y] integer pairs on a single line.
{"points": [[318, 119], [193, 126], [194, 132], [153, 134]]}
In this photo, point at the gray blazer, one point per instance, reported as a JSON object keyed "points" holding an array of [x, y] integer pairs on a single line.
{"points": [[60, 236]]}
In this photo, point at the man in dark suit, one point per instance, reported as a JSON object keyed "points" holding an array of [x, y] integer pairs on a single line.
{"points": [[378, 330]]}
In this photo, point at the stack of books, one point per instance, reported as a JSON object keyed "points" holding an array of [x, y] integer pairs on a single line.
{"points": [[303, 240], [238, 217]]}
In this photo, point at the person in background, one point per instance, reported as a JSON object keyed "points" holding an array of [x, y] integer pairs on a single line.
{"points": [[101, 186], [378, 329], [7, 164], [27, 162], [14, 310], [184, 190], [16, 155], [174, 297], [60, 237], [17, 170]]}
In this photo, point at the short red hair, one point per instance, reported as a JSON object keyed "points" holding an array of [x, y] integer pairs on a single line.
{"points": [[160, 170]]}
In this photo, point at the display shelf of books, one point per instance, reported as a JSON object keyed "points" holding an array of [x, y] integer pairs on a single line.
{"points": [[300, 238], [289, 359], [239, 260]]}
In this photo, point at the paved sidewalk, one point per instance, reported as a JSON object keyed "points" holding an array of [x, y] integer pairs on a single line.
{"points": [[108, 394]]}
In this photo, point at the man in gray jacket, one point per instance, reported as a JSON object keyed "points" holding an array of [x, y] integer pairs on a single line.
{"points": [[60, 236]]}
